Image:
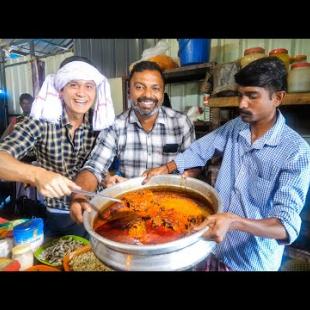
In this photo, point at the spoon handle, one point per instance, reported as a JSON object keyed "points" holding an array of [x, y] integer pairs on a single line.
{"points": [[92, 194]]}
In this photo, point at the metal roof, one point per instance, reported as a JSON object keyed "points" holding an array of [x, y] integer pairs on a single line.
{"points": [[41, 47]]}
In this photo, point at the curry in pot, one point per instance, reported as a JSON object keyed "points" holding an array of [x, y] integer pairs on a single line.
{"points": [[153, 216]]}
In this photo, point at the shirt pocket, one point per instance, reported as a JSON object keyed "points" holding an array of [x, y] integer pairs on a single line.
{"points": [[171, 148], [171, 145], [259, 190]]}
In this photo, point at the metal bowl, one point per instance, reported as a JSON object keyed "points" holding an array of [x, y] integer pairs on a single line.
{"points": [[180, 254]]}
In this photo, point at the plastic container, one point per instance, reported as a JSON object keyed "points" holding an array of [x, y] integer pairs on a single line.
{"points": [[42, 268], [299, 78], [282, 54], [194, 51], [7, 264], [6, 228], [29, 232], [6, 246], [251, 54], [298, 59], [24, 254]]}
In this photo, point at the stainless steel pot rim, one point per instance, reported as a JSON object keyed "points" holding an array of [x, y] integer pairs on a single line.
{"points": [[172, 245]]}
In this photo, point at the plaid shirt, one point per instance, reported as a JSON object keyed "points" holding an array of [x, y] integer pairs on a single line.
{"points": [[138, 150], [54, 148]]}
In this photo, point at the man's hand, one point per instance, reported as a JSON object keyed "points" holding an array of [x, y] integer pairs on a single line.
{"points": [[154, 171], [219, 224], [193, 173], [53, 185], [79, 204], [111, 180]]}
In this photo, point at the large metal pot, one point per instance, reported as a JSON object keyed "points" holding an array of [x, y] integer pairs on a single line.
{"points": [[180, 254]]}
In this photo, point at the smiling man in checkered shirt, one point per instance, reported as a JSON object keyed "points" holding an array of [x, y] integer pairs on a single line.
{"points": [[62, 130], [145, 136]]}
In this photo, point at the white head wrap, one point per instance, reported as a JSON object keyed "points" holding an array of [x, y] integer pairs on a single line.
{"points": [[48, 106]]}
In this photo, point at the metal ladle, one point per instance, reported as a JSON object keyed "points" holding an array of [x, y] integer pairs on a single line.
{"points": [[93, 194]]}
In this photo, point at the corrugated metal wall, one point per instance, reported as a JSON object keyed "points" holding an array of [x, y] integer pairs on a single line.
{"points": [[113, 57], [19, 78], [52, 63], [226, 50], [184, 95], [18, 81]]}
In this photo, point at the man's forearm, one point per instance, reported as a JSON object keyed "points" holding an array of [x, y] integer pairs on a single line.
{"points": [[12, 169], [87, 180], [193, 172], [268, 228]]}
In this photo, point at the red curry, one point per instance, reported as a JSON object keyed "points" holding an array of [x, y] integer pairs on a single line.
{"points": [[152, 216]]}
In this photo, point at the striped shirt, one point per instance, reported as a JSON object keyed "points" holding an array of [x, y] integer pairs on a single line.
{"points": [[267, 179], [54, 148], [138, 150]]}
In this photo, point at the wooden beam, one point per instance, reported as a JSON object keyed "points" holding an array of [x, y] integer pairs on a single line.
{"points": [[187, 73], [296, 98], [289, 99], [222, 102]]}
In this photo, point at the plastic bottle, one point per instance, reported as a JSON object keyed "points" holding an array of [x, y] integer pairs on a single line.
{"points": [[282, 54], [6, 246], [24, 255], [30, 232], [299, 58], [7, 264], [251, 54], [299, 78]]}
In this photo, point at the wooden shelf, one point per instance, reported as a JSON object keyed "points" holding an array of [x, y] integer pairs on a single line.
{"points": [[289, 99], [188, 73]]}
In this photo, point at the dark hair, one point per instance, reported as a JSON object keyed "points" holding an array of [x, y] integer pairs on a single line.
{"points": [[267, 72], [167, 102], [25, 96], [146, 65], [75, 58]]}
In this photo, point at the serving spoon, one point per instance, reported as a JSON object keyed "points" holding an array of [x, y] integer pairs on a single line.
{"points": [[93, 194]]}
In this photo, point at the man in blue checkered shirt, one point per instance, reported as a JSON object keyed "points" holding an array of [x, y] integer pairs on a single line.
{"points": [[145, 136], [263, 179]]}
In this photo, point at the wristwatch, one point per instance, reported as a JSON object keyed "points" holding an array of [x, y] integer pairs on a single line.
{"points": [[171, 166]]}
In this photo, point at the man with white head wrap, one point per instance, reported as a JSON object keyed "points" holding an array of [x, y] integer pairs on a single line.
{"points": [[62, 129]]}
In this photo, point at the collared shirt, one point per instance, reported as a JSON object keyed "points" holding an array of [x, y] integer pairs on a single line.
{"points": [[267, 179], [55, 149], [138, 150]]}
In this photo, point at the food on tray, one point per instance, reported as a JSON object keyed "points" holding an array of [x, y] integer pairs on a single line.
{"points": [[85, 260], [54, 252]]}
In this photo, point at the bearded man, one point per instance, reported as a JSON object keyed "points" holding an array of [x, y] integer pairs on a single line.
{"points": [[143, 137]]}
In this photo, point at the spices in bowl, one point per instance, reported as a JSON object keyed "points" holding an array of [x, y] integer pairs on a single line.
{"points": [[83, 259]]}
